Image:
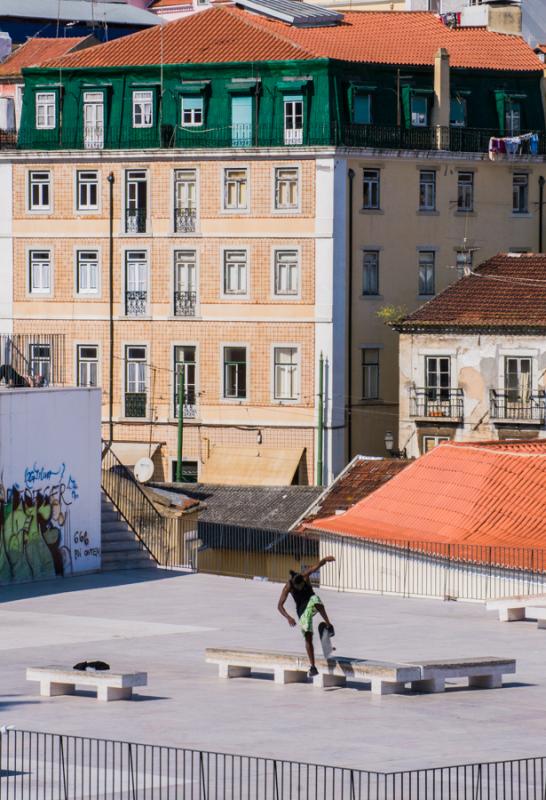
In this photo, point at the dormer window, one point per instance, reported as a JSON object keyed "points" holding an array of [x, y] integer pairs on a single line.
{"points": [[419, 111], [45, 110], [457, 115], [143, 109], [192, 111]]}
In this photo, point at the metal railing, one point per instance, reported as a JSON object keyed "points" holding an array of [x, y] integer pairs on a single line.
{"points": [[33, 360], [53, 766], [507, 406], [426, 402], [185, 220], [135, 404], [185, 304], [136, 303], [135, 220]]}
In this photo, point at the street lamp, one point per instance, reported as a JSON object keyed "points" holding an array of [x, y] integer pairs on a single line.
{"points": [[389, 447]]}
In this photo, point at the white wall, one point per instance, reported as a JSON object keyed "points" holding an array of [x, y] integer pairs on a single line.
{"points": [[6, 249], [50, 460]]}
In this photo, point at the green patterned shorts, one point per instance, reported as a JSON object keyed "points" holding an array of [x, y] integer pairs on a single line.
{"points": [[306, 619]]}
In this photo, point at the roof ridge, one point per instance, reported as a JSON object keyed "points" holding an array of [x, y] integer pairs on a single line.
{"points": [[500, 448], [254, 23]]}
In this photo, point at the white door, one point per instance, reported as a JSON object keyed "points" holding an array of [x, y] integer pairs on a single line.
{"points": [[93, 120]]}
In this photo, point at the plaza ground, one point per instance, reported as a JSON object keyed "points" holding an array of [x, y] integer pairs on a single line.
{"points": [[161, 622]]}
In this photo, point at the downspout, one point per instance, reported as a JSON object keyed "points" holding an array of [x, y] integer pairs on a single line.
{"points": [[541, 182], [320, 425], [351, 175], [111, 180]]}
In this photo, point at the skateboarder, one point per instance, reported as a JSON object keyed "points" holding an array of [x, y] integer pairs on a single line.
{"points": [[307, 605]]}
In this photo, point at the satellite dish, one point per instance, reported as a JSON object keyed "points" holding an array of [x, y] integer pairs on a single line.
{"points": [[144, 469]]}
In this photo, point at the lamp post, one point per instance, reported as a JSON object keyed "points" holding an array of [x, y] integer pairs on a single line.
{"points": [[389, 447]]}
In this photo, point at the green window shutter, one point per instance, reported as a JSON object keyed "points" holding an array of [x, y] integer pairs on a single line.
{"points": [[500, 101], [406, 105], [362, 109], [457, 114]]}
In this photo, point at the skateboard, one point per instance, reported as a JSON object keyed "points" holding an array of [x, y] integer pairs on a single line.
{"points": [[325, 640]]}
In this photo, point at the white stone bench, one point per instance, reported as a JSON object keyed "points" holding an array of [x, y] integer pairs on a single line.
{"points": [[512, 609], [55, 680], [482, 673]]}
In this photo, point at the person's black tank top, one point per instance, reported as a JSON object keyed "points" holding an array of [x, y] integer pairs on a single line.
{"points": [[301, 596]]}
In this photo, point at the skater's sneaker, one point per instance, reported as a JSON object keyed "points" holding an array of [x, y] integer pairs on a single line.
{"points": [[330, 629], [312, 672]]}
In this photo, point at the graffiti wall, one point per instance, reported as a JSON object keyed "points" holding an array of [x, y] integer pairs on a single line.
{"points": [[49, 483]]}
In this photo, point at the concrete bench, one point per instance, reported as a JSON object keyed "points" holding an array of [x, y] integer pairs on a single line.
{"points": [[56, 680], [512, 609], [482, 673]]}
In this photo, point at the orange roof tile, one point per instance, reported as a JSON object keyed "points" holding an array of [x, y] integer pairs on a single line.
{"points": [[34, 52], [459, 493], [168, 4], [226, 33]]}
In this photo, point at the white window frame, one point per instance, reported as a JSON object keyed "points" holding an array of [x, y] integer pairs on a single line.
{"points": [[80, 361], [427, 190], [418, 119], [93, 135], [366, 395], [437, 439], [82, 209], [223, 347], [277, 180], [466, 208], [297, 372], [226, 180], [276, 262], [293, 135], [196, 113], [372, 181], [424, 251], [520, 182], [41, 290], [47, 101], [124, 356], [238, 294], [185, 176], [129, 254], [143, 107], [369, 251], [175, 287], [79, 251], [174, 387], [44, 181]]}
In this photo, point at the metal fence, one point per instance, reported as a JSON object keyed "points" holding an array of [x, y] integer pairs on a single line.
{"points": [[32, 359], [46, 766]]}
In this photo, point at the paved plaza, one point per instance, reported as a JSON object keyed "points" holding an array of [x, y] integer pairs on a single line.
{"points": [[161, 622]]}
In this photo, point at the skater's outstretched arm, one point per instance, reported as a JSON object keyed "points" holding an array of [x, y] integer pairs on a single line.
{"points": [[317, 566], [280, 605]]}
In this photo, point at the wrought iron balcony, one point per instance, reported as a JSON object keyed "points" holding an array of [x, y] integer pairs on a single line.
{"points": [[190, 405], [136, 303], [135, 404], [508, 406], [185, 304], [446, 403], [135, 220], [185, 220], [93, 137]]}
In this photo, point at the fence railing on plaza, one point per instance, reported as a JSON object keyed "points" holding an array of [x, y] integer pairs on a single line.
{"points": [[407, 568], [52, 766]]}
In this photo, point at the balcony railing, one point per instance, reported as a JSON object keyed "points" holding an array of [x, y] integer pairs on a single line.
{"points": [[507, 406], [135, 404], [135, 220], [185, 304], [185, 220], [136, 303], [32, 360], [442, 403], [93, 137]]}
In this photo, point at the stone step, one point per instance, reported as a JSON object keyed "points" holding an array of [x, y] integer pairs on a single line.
{"points": [[129, 555], [122, 535], [115, 565], [128, 545], [114, 525]]}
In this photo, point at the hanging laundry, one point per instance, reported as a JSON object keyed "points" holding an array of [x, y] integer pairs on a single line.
{"points": [[501, 147]]}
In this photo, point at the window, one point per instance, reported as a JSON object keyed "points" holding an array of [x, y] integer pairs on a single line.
{"points": [[426, 272], [40, 363], [235, 189], [135, 381], [457, 115], [419, 111], [87, 272], [293, 119], [87, 191], [241, 121], [192, 111], [136, 283], [286, 187], [437, 377], [371, 188], [189, 468], [286, 272], [88, 365], [370, 374], [235, 272], [184, 362], [520, 193], [93, 120], [370, 273], [464, 262], [362, 109], [40, 271], [285, 373], [45, 110], [465, 191], [185, 283], [427, 190], [136, 195], [39, 191], [517, 379], [512, 117], [143, 105], [430, 442], [235, 373], [185, 200]]}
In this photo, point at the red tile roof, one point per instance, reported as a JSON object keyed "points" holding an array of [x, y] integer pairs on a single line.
{"points": [[168, 4], [490, 494], [359, 479], [226, 33], [35, 52], [508, 290]]}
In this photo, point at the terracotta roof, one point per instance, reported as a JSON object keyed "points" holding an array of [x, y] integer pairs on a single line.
{"points": [[226, 33], [359, 479], [492, 494], [169, 4], [508, 290], [36, 51]]}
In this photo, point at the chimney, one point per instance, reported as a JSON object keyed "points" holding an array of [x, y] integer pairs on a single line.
{"points": [[442, 94]]}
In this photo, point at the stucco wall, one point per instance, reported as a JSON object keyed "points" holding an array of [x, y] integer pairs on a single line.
{"points": [[50, 483]]}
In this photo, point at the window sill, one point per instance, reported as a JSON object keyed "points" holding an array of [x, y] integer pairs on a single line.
{"points": [[134, 317], [182, 317], [460, 212], [371, 211], [424, 298], [42, 212], [371, 297], [139, 235], [423, 212], [521, 215], [371, 401], [88, 296]]}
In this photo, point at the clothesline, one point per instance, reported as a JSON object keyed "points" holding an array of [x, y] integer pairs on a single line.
{"points": [[501, 147]]}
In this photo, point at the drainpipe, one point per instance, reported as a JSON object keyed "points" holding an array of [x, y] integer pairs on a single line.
{"points": [[111, 180], [351, 175], [541, 182], [181, 401], [320, 425]]}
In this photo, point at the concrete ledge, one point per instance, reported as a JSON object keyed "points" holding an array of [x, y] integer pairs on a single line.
{"points": [[482, 673], [518, 607], [55, 681]]}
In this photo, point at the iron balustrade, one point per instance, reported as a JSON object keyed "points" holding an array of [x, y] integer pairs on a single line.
{"points": [[427, 402], [185, 304], [135, 220], [504, 406], [135, 404], [185, 220], [55, 766], [93, 137], [136, 303], [33, 360]]}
